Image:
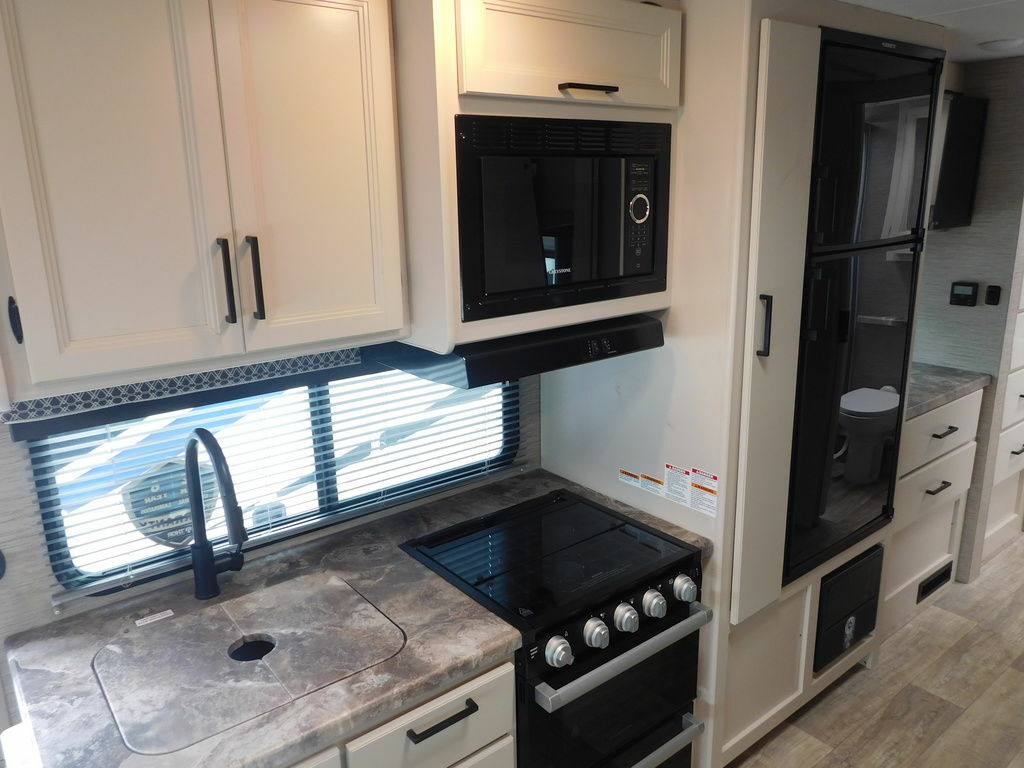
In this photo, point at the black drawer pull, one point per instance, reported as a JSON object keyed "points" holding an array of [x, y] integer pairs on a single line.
{"points": [[229, 284], [448, 722], [947, 433], [1021, 397], [766, 340], [1018, 453], [588, 87], [257, 277], [942, 486]]}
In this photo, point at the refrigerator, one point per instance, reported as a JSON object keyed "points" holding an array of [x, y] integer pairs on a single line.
{"points": [[873, 134]]}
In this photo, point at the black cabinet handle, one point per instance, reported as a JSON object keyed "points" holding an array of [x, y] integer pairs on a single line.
{"points": [[766, 340], [257, 277], [229, 283], [448, 722], [949, 431], [588, 87], [1021, 397], [1018, 453], [942, 486]]}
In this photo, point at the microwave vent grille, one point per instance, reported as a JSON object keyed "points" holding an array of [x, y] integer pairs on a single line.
{"points": [[488, 134]]}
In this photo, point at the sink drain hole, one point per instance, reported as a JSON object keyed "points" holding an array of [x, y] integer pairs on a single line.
{"points": [[251, 647]]}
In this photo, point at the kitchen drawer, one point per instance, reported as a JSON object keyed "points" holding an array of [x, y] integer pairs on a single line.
{"points": [[926, 489], [500, 754], [1007, 463], [938, 432], [1013, 408], [493, 695], [1017, 358]]}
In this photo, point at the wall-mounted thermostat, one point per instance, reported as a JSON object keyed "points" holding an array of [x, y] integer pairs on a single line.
{"points": [[963, 294]]}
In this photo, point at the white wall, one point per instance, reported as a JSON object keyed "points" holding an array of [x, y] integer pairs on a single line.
{"points": [[680, 404]]}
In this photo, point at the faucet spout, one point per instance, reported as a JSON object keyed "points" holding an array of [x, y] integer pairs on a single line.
{"points": [[205, 565]]}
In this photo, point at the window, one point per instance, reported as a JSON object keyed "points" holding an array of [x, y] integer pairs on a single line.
{"points": [[113, 499]]}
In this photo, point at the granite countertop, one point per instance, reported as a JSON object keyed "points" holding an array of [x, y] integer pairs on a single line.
{"points": [[448, 638], [934, 385]]}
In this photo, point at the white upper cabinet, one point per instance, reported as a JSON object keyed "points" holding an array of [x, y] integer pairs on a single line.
{"points": [[112, 184], [149, 147], [606, 51], [309, 119]]}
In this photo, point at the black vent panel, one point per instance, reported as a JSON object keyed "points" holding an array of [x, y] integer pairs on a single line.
{"points": [[527, 135]]}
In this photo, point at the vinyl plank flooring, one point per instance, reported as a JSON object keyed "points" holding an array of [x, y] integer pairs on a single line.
{"points": [[855, 699], [785, 746], [947, 691], [908, 726], [989, 732], [966, 670]]}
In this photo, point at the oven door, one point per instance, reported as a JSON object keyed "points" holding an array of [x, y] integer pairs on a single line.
{"points": [[632, 712]]}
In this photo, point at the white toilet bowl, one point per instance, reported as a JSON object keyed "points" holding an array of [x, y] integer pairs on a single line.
{"points": [[867, 416]]}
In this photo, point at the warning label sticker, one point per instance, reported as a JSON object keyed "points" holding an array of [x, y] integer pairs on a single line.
{"points": [[677, 484], [704, 491], [630, 478], [652, 484]]}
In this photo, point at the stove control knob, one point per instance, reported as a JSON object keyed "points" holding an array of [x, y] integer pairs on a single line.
{"points": [[655, 605], [626, 618], [557, 652], [684, 588], [595, 633]]}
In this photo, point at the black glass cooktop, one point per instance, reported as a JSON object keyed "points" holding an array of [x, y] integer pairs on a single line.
{"points": [[539, 561]]}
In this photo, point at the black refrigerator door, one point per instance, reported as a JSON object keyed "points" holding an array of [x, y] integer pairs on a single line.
{"points": [[853, 357], [873, 134]]}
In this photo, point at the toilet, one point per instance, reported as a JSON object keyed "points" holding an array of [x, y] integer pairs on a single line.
{"points": [[868, 417]]}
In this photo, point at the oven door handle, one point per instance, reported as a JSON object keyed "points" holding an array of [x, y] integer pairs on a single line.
{"points": [[551, 700], [691, 729]]}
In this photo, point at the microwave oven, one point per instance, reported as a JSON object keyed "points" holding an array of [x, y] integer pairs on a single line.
{"points": [[554, 213]]}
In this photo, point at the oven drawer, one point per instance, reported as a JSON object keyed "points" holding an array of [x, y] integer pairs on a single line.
{"points": [[489, 701], [632, 711]]}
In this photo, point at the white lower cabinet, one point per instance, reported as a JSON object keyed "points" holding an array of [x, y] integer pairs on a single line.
{"points": [[500, 754], [468, 726]]}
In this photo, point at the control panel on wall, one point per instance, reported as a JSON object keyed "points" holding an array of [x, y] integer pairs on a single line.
{"points": [[963, 294]]}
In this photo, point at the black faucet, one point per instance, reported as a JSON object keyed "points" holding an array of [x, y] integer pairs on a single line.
{"points": [[206, 566]]}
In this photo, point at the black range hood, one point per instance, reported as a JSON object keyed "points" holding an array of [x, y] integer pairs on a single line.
{"points": [[512, 357]]}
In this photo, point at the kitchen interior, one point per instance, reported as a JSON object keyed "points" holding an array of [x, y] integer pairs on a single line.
{"points": [[495, 383]]}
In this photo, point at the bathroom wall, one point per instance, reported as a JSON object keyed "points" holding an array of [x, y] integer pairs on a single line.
{"points": [[985, 251]]}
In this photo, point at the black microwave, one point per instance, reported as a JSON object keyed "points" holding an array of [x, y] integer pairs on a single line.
{"points": [[559, 212]]}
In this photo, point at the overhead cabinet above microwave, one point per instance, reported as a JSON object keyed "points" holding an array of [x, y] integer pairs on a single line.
{"points": [[196, 180], [597, 51]]}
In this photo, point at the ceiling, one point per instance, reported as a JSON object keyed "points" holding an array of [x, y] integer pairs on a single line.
{"points": [[972, 22]]}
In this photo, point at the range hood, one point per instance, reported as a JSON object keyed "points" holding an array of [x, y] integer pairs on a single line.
{"points": [[512, 357]]}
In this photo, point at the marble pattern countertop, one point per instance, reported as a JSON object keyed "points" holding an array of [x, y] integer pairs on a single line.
{"points": [[448, 638], [934, 385]]}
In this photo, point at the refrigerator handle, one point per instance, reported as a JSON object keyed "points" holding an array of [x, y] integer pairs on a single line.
{"points": [[817, 305]]}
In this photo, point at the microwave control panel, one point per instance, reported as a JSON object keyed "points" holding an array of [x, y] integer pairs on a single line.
{"points": [[638, 250]]}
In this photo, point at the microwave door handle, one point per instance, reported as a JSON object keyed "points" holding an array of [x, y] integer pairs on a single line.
{"points": [[691, 729], [551, 700]]}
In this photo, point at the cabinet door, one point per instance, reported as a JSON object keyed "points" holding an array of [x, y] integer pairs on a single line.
{"points": [[532, 49], [113, 191], [309, 118], [787, 84]]}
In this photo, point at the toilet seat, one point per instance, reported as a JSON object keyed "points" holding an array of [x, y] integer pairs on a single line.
{"points": [[869, 402]]}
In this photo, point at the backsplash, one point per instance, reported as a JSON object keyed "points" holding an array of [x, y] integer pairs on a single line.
{"points": [[156, 389]]}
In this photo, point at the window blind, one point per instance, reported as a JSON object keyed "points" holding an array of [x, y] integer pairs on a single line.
{"points": [[114, 502]]}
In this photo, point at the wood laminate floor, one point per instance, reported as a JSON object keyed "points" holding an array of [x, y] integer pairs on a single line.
{"points": [[947, 690]]}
